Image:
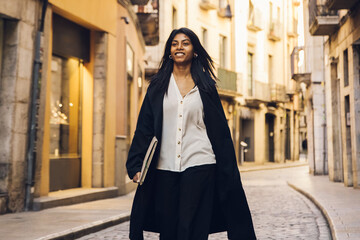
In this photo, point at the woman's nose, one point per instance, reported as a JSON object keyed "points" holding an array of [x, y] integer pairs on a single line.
{"points": [[180, 46]]}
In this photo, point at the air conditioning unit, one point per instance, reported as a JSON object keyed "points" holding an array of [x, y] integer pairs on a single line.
{"points": [[209, 4]]}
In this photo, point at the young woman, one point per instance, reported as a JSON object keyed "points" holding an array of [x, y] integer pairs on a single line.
{"points": [[193, 186]]}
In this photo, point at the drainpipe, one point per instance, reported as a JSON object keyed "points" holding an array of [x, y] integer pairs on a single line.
{"points": [[31, 152], [324, 124]]}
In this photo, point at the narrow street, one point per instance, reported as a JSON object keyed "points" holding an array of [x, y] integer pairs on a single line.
{"points": [[278, 211]]}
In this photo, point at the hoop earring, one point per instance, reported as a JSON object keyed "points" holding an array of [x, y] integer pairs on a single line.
{"points": [[195, 55], [170, 57]]}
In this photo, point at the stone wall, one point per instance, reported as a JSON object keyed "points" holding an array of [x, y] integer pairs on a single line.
{"points": [[99, 109], [15, 85]]}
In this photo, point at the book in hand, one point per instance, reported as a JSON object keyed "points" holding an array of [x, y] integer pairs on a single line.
{"points": [[147, 160]]}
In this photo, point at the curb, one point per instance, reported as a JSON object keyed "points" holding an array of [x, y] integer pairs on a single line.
{"points": [[272, 167], [89, 228], [319, 206]]}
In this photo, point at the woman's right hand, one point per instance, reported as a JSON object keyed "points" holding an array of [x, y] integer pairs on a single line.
{"points": [[136, 178]]}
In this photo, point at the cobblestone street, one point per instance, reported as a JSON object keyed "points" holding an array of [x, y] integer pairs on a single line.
{"points": [[278, 211]]}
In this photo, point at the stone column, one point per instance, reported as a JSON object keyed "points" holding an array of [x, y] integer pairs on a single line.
{"points": [[16, 79], [100, 63]]}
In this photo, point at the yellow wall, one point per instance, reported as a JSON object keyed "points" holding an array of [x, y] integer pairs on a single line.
{"points": [[87, 118], [110, 115], [45, 161], [95, 14], [126, 33]]}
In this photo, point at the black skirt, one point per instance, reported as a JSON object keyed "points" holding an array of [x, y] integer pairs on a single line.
{"points": [[184, 202]]}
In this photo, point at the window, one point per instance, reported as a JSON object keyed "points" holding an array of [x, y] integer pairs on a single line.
{"points": [[250, 74], [174, 18], [140, 83], [346, 68], [65, 102], [251, 13], [278, 14], [271, 13], [222, 4], [223, 48], [204, 34], [130, 87], [270, 70]]}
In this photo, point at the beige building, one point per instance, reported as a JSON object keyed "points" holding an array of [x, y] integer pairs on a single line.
{"points": [[91, 68], [313, 76], [212, 22], [252, 44], [269, 109], [337, 22]]}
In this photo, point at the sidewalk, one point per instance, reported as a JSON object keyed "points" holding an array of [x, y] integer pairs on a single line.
{"points": [[340, 205]]}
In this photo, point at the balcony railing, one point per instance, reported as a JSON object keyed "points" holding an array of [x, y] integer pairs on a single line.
{"points": [[227, 79], [209, 4], [275, 31], [261, 91], [278, 93], [322, 21], [298, 74], [139, 2], [255, 21], [340, 4], [292, 28]]}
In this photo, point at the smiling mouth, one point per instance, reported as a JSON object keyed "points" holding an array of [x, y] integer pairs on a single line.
{"points": [[179, 54]]}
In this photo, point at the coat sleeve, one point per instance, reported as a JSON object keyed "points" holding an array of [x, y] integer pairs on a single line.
{"points": [[143, 134]]}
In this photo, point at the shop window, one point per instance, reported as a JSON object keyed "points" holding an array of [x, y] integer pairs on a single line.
{"points": [[65, 123], [65, 108]]}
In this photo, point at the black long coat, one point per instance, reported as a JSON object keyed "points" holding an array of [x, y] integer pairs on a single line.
{"points": [[231, 212]]}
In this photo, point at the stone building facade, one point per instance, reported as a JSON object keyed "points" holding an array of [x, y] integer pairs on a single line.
{"points": [[267, 118], [18, 25], [266, 35], [90, 86], [336, 26]]}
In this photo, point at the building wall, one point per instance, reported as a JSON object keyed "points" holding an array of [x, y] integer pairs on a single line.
{"points": [[19, 29], [315, 98], [253, 36], [127, 34], [346, 38], [102, 82]]}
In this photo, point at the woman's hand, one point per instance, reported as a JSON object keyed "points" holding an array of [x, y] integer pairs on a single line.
{"points": [[136, 178]]}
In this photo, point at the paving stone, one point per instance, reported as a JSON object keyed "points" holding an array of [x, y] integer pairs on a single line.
{"points": [[278, 211]]}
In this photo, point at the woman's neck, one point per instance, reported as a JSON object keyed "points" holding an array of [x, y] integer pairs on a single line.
{"points": [[182, 72]]}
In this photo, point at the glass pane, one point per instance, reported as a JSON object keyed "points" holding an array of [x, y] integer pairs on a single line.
{"points": [[65, 107]]}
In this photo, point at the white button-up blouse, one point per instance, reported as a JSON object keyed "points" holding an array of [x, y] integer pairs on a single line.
{"points": [[184, 141]]}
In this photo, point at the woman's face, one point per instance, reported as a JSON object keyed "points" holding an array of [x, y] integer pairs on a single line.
{"points": [[182, 50]]}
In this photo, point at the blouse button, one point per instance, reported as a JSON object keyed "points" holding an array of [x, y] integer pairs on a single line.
{"points": [[180, 115], [178, 142], [181, 102], [179, 129], [178, 156]]}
